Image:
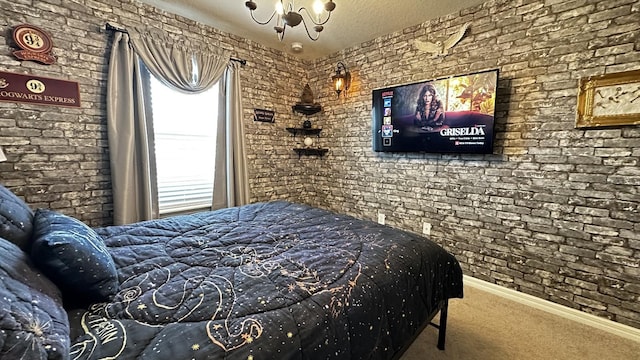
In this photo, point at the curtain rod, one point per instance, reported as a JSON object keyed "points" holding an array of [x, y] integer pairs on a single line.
{"points": [[110, 27]]}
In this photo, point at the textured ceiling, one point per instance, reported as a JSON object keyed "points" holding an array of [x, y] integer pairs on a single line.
{"points": [[352, 22]]}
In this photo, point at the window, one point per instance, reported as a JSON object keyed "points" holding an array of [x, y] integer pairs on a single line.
{"points": [[185, 146]]}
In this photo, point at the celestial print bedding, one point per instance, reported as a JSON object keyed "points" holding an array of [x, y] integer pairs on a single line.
{"points": [[271, 280]]}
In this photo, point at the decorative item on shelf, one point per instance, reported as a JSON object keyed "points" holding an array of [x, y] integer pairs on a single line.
{"points": [[286, 15], [306, 124], [308, 142], [306, 105], [341, 81]]}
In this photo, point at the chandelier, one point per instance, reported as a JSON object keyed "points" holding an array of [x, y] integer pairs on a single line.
{"points": [[288, 16]]}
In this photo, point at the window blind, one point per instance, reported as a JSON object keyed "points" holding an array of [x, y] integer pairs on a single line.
{"points": [[185, 146], [185, 181]]}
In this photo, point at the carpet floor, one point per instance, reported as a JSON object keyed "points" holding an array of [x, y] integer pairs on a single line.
{"points": [[485, 326]]}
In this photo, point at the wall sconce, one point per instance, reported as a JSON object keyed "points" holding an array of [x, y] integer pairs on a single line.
{"points": [[2, 156], [341, 81]]}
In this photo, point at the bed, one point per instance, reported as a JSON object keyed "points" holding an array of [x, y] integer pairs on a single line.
{"points": [[272, 280]]}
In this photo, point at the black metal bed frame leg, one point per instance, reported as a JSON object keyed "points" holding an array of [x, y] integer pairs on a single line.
{"points": [[442, 328]]}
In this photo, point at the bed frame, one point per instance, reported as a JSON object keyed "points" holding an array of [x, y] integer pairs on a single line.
{"points": [[441, 326]]}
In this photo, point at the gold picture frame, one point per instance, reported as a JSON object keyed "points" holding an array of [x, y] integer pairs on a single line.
{"points": [[609, 100]]}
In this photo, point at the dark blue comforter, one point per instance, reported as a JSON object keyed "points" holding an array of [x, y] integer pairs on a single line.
{"points": [[265, 281]]}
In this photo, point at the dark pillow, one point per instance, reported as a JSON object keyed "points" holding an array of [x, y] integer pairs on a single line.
{"points": [[16, 219], [33, 323], [74, 257]]}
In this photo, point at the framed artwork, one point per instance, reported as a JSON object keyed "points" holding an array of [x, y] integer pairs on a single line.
{"points": [[609, 100]]}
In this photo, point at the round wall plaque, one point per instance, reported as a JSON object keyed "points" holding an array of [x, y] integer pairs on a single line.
{"points": [[34, 42]]}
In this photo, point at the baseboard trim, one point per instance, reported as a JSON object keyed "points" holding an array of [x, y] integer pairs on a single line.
{"points": [[613, 327]]}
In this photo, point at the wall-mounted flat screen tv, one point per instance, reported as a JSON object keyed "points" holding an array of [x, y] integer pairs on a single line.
{"points": [[448, 115]]}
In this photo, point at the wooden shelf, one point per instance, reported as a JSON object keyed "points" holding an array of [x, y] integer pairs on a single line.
{"points": [[307, 109], [304, 131], [307, 150], [310, 151]]}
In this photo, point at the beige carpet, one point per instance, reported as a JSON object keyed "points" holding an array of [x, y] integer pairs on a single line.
{"points": [[488, 327]]}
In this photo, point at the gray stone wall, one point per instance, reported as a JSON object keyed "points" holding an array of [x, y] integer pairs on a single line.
{"points": [[555, 211], [58, 157]]}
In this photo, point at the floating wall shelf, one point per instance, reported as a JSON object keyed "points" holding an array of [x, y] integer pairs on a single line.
{"points": [[307, 150], [304, 131], [310, 151], [307, 109]]}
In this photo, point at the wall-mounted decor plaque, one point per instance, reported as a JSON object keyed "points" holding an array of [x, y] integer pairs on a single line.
{"points": [[609, 100], [37, 89], [263, 115], [35, 43]]}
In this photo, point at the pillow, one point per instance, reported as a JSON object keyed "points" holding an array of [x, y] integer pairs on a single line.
{"points": [[16, 219], [33, 324], [74, 257]]}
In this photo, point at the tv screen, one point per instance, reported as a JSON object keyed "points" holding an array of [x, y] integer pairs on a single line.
{"points": [[449, 115]]}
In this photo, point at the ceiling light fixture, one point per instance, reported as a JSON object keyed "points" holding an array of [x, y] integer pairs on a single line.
{"points": [[341, 81], [288, 16]]}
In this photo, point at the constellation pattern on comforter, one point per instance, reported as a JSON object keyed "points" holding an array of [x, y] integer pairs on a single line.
{"points": [[270, 280]]}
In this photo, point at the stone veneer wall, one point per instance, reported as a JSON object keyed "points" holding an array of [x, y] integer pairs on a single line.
{"points": [[58, 157], [555, 211]]}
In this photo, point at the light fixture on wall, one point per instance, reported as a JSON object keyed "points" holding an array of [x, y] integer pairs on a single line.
{"points": [[286, 15], [2, 156], [342, 79]]}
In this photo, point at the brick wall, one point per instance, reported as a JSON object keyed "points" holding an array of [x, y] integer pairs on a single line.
{"points": [[554, 212], [58, 157]]}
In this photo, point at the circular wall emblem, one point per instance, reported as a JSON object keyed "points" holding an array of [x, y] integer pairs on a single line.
{"points": [[32, 38], [35, 43], [35, 86]]}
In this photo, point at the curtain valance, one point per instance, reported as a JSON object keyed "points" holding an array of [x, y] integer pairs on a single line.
{"points": [[178, 62]]}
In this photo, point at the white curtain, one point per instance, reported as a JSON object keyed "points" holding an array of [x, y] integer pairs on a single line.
{"points": [[130, 132]]}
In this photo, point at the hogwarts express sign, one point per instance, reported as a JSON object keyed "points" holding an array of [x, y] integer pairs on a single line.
{"points": [[37, 89]]}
